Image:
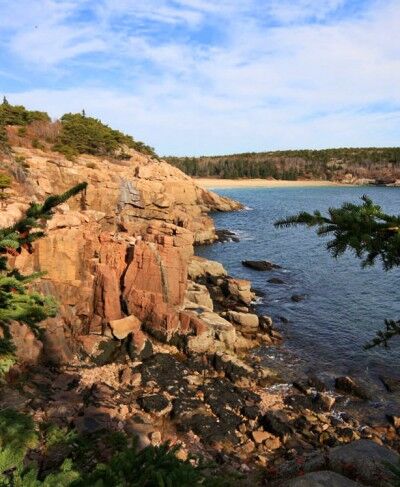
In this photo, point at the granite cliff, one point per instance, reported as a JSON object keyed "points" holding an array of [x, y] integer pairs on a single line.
{"points": [[121, 250]]}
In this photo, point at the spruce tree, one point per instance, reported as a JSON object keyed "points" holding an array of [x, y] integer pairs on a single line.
{"points": [[17, 301], [364, 229]]}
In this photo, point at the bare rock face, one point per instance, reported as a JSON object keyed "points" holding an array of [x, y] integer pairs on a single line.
{"points": [[122, 249]]}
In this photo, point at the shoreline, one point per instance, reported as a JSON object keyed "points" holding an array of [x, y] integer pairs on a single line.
{"points": [[211, 183]]}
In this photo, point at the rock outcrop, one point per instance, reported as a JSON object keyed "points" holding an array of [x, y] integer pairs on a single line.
{"points": [[120, 250]]}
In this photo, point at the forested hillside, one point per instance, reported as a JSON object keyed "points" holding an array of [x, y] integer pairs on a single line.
{"points": [[330, 164]]}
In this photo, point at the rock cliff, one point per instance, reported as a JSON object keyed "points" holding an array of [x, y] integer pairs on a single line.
{"points": [[122, 249]]}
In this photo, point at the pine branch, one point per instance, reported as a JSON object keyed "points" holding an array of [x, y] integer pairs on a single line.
{"points": [[365, 230], [17, 303], [383, 336]]}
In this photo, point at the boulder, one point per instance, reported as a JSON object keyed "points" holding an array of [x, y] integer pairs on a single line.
{"points": [[260, 436], [234, 368], [240, 290], [349, 386], [276, 423], [297, 298], [260, 265], [222, 330], [276, 280], [224, 236], [123, 327], [320, 479], [392, 384], [156, 404], [200, 267], [198, 294], [363, 460], [245, 322]]}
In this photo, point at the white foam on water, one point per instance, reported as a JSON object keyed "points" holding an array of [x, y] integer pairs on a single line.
{"points": [[243, 236]]}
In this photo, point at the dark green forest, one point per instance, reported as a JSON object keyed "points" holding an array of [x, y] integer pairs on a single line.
{"points": [[327, 164]]}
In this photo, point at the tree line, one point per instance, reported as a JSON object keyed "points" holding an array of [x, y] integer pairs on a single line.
{"points": [[327, 164]]}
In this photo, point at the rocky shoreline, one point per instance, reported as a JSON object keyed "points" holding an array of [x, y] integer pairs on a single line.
{"points": [[212, 395], [163, 345]]}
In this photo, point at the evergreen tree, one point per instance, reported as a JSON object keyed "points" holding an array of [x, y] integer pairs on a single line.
{"points": [[17, 302], [367, 231]]}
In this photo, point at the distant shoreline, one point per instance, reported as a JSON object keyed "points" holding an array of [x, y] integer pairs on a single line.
{"points": [[210, 183]]}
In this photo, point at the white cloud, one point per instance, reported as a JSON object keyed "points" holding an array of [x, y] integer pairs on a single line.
{"points": [[293, 84]]}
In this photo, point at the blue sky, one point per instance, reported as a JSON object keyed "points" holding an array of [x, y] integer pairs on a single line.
{"points": [[194, 77]]}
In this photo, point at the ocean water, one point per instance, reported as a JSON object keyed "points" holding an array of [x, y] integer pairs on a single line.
{"points": [[344, 303]]}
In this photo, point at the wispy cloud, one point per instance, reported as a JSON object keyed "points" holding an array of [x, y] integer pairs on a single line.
{"points": [[199, 76]]}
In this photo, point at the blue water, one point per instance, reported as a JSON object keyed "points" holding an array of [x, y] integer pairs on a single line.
{"points": [[344, 303]]}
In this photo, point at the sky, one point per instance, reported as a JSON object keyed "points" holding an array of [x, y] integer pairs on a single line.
{"points": [[204, 77]]}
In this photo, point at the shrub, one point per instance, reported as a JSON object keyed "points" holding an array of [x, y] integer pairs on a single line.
{"points": [[69, 152], [17, 436], [87, 135], [5, 181], [91, 165], [19, 115], [22, 131], [36, 144]]}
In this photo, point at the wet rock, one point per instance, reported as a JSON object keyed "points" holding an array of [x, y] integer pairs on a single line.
{"points": [[320, 479], [317, 382], [276, 280], [324, 402], [260, 265], [296, 298], [276, 423], [350, 386], [156, 404], [392, 384], [226, 236], [266, 323], [282, 319], [302, 385], [233, 368], [299, 402]]}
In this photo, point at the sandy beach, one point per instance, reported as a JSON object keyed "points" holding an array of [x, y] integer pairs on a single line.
{"points": [[211, 183]]}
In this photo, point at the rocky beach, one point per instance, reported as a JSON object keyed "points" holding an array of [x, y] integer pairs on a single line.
{"points": [[158, 343]]}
